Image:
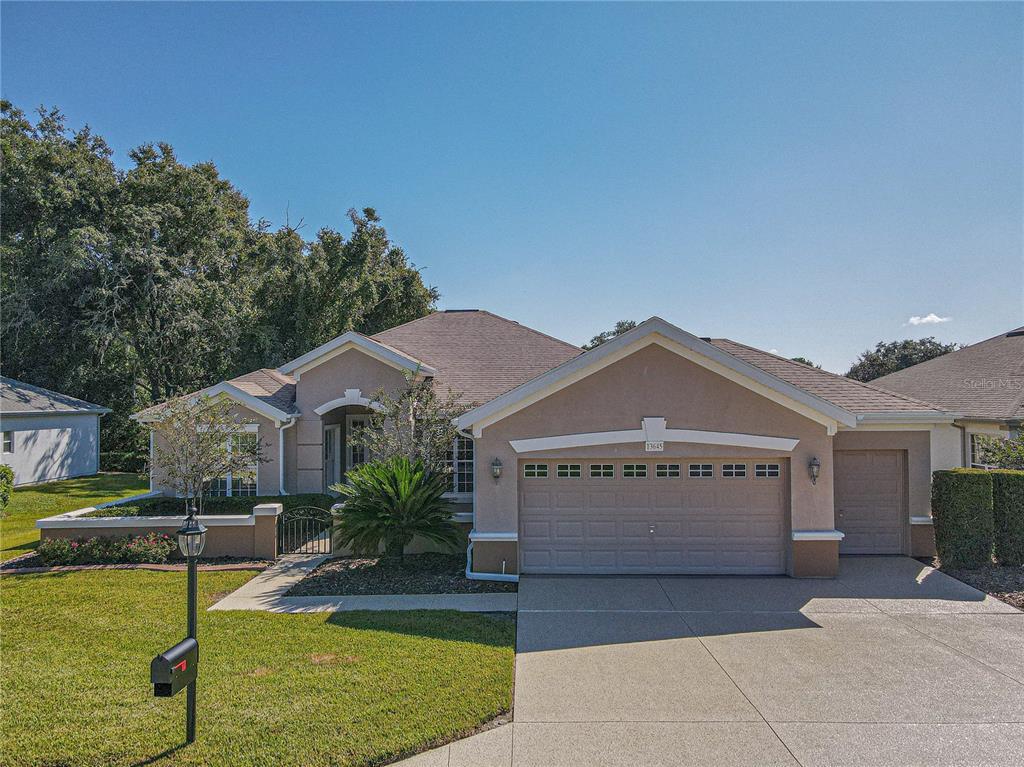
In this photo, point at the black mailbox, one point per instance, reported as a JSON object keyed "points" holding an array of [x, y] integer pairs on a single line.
{"points": [[173, 670]]}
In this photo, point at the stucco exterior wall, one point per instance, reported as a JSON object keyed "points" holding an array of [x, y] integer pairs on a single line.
{"points": [[917, 445], [51, 447], [653, 382], [328, 381], [267, 475]]}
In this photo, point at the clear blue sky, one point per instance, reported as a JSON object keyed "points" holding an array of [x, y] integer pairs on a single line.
{"points": [[800, 177]]}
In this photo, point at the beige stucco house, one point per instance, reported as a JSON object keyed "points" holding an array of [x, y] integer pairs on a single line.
{"points": [[656, 452]]}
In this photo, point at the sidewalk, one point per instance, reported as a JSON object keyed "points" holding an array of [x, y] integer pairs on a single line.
{"points": [[266, 592], [492, 748]]}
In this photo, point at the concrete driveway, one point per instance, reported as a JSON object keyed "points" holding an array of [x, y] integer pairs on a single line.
{"points": [[892, 663]]}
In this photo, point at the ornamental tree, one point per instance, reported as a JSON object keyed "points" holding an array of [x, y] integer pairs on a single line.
{"points": [[198, 440]]}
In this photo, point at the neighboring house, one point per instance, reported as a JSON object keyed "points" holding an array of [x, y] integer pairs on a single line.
{"points": [[47, 435], [983, 384], [656, 452]]}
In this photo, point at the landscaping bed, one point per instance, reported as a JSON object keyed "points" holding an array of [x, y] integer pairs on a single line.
{"points": [[345, 690], [1004, 582], [413, 574], [175, 507], [18, 532]]}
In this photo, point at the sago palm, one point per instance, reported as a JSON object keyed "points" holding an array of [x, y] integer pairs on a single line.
{"points": [[391, 502]]}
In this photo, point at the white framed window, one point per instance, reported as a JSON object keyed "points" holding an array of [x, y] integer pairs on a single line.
{"points": [[240, 483], [602, 471], [702, 470], [734, 470], [535, 470], [766, 470], [569, 471], [460, 463], [977, 450], [663, 470], [8, 441], [634, 470]]}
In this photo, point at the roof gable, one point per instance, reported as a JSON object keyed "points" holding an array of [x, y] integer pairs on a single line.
{"points": [[657, 330], [352, 340]]}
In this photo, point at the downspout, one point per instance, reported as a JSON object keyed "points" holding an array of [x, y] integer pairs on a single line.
{"points": [[469, 549], [963, 443], [280, 454]]}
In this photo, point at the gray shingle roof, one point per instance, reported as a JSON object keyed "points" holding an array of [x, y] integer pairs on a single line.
{"points": [[276, 389], [854, 396], [984, 380], [19, 398], [478, 355]]}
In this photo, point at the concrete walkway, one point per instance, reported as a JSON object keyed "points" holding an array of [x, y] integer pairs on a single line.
{"points": [[892, 663], [266, 592]]}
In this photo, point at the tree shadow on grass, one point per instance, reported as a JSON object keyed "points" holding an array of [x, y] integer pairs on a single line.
{"points": [[494, 630]]}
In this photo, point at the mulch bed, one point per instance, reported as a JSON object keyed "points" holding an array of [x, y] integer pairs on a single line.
{"points": [[1004, 582], [414, 574], [29, 563]]}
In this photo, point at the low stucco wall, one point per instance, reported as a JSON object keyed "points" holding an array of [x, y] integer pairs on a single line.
{"points": [[253, 536]]}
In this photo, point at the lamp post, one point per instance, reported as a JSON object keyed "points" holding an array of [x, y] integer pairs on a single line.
{"points": [[191, 539]]}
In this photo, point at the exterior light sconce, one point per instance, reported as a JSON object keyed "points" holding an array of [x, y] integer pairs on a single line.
{"points": [[814, 468], [496, 469]]}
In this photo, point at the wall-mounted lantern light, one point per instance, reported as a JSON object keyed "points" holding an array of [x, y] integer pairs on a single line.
{"points": [[496, 468], [814, 467]]}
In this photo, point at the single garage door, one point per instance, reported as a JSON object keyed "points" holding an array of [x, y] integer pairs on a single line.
{"points": [[649, 516], [869, 490]]}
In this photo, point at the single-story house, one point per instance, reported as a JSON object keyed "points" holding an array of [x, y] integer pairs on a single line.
{"points": [[655, 452], [47, 435], [982, 383]]}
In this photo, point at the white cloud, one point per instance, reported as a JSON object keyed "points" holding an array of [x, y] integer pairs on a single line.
{"points": [[928, 319], [773, 351]]}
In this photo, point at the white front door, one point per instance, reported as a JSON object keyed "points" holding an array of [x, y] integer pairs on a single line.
{"points": [[354, 454], [332, 455]]}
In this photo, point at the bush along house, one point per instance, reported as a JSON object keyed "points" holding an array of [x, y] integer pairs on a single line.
{"points": [[655, 452]]}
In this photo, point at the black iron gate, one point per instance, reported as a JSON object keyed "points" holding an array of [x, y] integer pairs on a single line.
{"points": [[305, 530]]}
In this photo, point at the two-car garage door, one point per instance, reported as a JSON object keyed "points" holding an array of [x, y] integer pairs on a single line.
{"points": [[644, 516]]}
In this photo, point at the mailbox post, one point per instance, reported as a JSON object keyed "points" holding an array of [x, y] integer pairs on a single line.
{"points": [[178, 667], [191, 539]]}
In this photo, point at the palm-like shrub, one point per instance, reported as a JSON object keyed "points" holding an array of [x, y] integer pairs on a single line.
{"points": [[391, 502]]}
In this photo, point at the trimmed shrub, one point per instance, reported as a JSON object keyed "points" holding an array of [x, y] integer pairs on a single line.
{"points": [[6, 486], [962, 513], [1008, 515], [152, 548], [174, 507], [130, 462]]}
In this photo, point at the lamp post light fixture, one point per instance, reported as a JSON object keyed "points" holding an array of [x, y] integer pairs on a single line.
{"points": [[496, 468], [814, 468], [191, 540]]}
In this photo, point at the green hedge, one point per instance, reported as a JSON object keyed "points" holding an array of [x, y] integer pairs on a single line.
{"points": [[153, 548], [962, 514], [1008, 515], [172, 507], [131, 462], [6, 486]]}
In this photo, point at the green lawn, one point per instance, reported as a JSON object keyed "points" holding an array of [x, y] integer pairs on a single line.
{"points": [[316, 689], [18, 532]]}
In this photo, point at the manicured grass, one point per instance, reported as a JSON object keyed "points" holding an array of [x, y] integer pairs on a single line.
{"points": [[18, 533], [310, 690]]}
